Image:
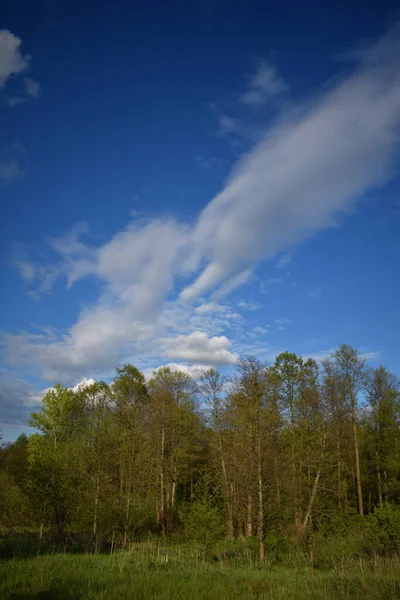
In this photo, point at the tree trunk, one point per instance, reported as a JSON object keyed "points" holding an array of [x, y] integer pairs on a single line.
{"points": [[378, 471], [249, 521], [339, 475], [260, 520], [172, 510], [312, 498], [41, 529], [96, 507], [358, 473], [162, 501], [227, 490], [315, 487], [128, 502]]}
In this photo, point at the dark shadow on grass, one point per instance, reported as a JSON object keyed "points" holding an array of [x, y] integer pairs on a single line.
{"points": [[50, 594], [27, 545]]}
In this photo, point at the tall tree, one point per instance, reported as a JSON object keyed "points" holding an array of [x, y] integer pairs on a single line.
{"points": [[250, 386], [382, 431], [348, 369], [174, 431], [212, 389]]}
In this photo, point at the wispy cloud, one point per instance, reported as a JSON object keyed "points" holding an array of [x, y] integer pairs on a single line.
{"points": [[306, 171], [11, 162], [13, 65], [267, 283], [211, 162], [258, 332], [32, 87], [284, 261], [264, 85], [282, 322], [226, 125], [324, 354], [248, 305]]}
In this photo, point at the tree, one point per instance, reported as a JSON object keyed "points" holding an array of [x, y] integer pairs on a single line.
{"points": [[175, 430], [250, 386], [132, 404], [382, 431], [53, 455], [212, 385], [348, 368]]}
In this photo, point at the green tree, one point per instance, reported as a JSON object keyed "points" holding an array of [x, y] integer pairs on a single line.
{"points": [[175, 433], [347, 368], [382, 431]]}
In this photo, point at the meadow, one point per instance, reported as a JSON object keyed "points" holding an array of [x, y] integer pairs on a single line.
{"points": [[179, 570]]}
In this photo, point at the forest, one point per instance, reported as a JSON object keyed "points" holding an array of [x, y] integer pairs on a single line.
{"points": [[292, 459]]}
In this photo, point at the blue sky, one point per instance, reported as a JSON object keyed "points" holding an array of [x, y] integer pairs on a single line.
{"points": [[185, 183]]}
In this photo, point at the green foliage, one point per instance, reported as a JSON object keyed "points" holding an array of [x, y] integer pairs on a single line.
{"points": [[276, 547], [202, 519], [383, 529], [203, 522], [14, 505], [60, 414]]}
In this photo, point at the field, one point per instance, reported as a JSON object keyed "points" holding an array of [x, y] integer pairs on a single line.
{"points": [[179, 571]]}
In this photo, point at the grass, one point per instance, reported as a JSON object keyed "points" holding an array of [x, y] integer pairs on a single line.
{"points": [[152, 570]]}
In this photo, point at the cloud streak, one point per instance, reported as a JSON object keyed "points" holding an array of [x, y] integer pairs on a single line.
{"points": [[306, 171]]}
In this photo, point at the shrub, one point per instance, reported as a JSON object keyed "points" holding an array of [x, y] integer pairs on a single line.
{"points": [[203, 522], [382, 529]]}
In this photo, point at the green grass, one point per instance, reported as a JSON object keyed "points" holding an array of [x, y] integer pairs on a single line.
{"points": [[184, 572]]}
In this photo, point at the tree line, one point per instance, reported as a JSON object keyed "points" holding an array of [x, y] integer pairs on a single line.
{"points": [[287, 447]]}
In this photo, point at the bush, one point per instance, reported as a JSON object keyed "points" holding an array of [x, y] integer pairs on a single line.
{"points": [[382, 529], [276, 546], [341, 541], [203, 522]]}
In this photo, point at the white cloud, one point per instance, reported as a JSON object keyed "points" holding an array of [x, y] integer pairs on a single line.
{"points": [[283, 261], [83, 384], [265, 285], [26, 270], [283, 321], [248, 305], [11, 59], [258, 332], [307, 170], [264, 85], [210, 308], [12, 64], [195, 371], [197, 347]]}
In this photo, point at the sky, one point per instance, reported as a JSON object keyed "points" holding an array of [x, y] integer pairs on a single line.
{"points": [[185, 183]]}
